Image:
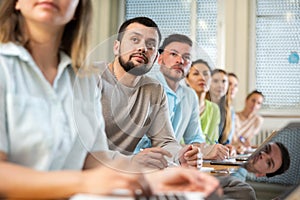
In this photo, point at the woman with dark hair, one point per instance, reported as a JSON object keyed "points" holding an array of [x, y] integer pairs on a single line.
{"points": [[199, 78]]}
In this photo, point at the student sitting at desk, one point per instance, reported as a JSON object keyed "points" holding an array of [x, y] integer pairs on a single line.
{"points": [[272, 159], [248, 122], [42, 46], [135, 104], [218, 94], [199, 78], [175, 62]]}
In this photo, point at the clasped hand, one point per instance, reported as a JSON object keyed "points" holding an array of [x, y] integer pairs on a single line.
{"points": [[155, 157]]}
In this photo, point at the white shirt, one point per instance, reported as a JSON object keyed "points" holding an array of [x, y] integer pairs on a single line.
{"points": [[44, 126]]}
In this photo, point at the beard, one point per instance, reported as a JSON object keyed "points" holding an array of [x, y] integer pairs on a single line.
{"points": [[135, 70], [167, 71]]}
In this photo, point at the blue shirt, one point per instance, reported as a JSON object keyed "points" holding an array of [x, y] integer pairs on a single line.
{"points": [[183, 112], [240, 173], [44, 126]]}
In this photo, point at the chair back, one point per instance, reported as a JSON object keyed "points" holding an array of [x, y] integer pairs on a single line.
{"points": [[290, 137]]}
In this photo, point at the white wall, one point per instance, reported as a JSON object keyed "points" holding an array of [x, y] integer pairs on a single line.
{"points": [[234, 43]]}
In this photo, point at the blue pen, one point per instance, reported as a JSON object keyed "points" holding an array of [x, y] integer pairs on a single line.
{"points": [[242, 139]]}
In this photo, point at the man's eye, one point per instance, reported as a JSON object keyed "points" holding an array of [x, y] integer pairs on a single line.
{"points": [[186, 58], [173, 54], [135, 40], [150, 45]]}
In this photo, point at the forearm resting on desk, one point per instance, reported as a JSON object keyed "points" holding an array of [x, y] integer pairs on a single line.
{"points": [[21, 182], [25, 183], [125, 163]]}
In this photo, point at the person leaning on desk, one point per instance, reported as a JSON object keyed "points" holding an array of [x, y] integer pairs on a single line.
{"points": [[42, 46]]}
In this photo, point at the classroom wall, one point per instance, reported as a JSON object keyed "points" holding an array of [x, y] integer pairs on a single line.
{"points": [[236, 44], [233, 35]]}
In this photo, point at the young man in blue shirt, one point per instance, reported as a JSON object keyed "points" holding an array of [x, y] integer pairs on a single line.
{"points": [[175, 62]]}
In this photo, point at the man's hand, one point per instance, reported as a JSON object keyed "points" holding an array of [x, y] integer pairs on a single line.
{"points": [[182, 179], [152, 158], [188, 156], [241, 149], [215, 152], [232, 150]]}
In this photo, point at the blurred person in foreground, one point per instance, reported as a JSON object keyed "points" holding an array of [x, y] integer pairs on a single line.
{"points": [[45, 141]]}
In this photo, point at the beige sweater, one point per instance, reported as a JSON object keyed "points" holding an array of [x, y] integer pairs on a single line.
{"points": [[129, 113]]}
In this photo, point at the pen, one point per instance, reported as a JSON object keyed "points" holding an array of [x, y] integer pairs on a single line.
{"points": [[242, 139]]}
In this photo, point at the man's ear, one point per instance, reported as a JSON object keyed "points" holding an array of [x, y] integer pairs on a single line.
{"points": [[260, 175], [116, 47]]}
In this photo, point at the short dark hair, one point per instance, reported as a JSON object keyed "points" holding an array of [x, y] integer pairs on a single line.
{"points": [[233, 74], [140, 20], [255, 92], [175, 38], [285, 160]]}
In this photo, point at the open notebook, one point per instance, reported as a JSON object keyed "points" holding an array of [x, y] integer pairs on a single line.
{"points": [[239, 161]]}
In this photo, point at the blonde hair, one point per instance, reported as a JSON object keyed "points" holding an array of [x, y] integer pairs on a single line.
{"points": [[75, 39]]}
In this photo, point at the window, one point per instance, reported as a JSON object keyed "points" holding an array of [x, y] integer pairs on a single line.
{"points": [[196, 19], [277, 53]]}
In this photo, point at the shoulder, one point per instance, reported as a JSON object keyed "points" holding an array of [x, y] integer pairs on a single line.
{"points": [[150, 89], [189, 92], [102, 69], [259, 119], [150, 83], [11, 50], [212, 106], [10, 53], [188, 89]]}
